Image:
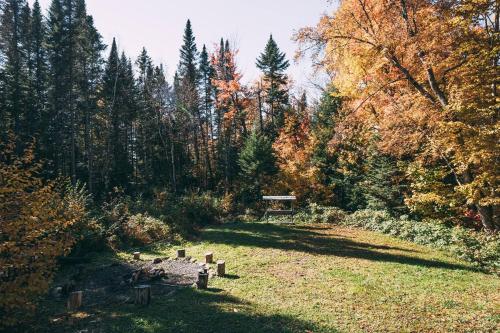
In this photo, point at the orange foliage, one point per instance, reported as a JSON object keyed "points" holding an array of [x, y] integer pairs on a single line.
{"points": [[35, 225], [294, 149], [227, 80], [422, 76]]}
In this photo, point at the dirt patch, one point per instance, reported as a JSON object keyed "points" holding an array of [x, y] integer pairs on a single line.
{"points": [[114, 283]]}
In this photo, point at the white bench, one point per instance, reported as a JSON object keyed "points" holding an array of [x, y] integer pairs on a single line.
{"points": [[280, 212]]}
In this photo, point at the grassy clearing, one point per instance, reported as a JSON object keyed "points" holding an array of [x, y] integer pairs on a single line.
{"points": [[312, 278]]}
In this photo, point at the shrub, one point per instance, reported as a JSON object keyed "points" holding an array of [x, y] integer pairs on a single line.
{"points": [[141, 222], [195, 211], [323, 214], [36, 224], [480, 249], [143, 230]]}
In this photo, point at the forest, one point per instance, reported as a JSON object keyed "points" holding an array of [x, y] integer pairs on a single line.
{"points": [[103, 151]]}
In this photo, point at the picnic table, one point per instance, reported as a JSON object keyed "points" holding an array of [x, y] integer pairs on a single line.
{"points": [[279, 198]]}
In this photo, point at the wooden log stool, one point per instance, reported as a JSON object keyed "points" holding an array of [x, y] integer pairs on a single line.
{"points": [[75, 300], [142, 295], [181, 253], [221, 268], [202, 282]]}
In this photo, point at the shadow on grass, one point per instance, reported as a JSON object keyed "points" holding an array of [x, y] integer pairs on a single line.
{"points": [[310, 239], [189, 311]]}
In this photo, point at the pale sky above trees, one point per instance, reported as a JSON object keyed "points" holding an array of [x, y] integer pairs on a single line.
{"points": [[158, 25]]}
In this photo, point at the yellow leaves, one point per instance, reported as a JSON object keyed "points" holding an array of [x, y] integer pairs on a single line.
{"points": [[36, 224]]}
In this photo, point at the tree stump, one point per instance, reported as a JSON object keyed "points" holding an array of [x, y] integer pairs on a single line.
{"points": [[137, 255], [209, 258], [181, 253], [75, 300], [142, 295], [202, 282], [221, 268]]}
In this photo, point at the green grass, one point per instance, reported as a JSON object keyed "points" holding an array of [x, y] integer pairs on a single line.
{"points": [[313, 278]]}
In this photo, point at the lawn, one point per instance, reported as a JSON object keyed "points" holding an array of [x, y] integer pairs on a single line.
{"points": [[310, 278]]}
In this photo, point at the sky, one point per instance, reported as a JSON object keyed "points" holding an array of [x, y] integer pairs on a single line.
{"points": [[158, 25]]}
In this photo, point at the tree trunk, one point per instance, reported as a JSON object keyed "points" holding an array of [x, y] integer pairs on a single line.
{"points": [[487, 218]]}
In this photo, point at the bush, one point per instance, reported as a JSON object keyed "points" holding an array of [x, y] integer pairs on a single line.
{"points": [[480, 249], [129, 222], [323, 214], [37, 225], [142, 229]]}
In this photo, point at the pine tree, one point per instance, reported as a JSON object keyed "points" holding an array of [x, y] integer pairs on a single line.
{"points": [[382, 183], [273, 64], [39, 71], [206, 121], [56, 132], [145, 118], [189, 108], [257, 163], [117, 159], [15, 54], [188, 56], [207, 89]]}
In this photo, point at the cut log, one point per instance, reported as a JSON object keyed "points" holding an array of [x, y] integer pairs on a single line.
{"points": [[221, 268], [181, 253], [137, 255], [142, 295], [202, 282], [209, 257], [75, 300]]}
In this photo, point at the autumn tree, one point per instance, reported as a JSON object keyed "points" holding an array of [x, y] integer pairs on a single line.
{"points": [[408, 70], [231, 103], [36, 227]]}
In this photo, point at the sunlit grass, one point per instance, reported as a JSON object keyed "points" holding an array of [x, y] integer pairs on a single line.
{"points": [[319, 279]]}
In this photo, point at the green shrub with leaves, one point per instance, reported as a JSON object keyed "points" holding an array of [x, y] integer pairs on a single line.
{"points": [[481, 249]]}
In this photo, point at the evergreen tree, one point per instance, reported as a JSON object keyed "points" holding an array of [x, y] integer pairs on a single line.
{"points": [[145, 118], [206, 121], [207, 89], [56, 132], [188, 56], [273, 64], [39, 71], [188, 109], [257, 163], [382, 183], [119, 170], [15, 58], [323, 129]]}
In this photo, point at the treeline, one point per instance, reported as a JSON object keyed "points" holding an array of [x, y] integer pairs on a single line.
{"points": [[109, 121], [408, 123]]}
